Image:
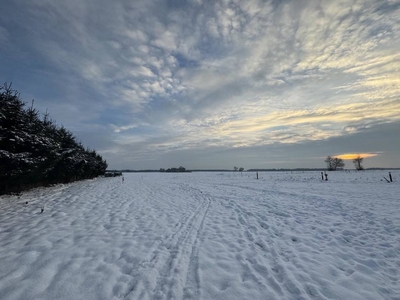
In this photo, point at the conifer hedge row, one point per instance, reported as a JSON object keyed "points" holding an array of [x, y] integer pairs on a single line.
{"points": [[34, 151]]}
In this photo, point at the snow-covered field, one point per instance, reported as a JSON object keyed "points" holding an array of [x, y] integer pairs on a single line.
{"points": [[205, 236]]}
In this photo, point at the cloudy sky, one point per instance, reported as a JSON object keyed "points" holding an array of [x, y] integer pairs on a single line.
{"points": [[212, 84]]}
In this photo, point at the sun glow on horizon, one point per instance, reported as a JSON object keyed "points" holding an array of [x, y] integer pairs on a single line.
{"points": [[351, 156]]}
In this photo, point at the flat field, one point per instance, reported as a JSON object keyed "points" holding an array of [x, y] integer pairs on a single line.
{"points": [[288, 235]]}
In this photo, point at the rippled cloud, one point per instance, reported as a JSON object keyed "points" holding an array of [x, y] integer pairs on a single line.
{"points": [[149, 79]]}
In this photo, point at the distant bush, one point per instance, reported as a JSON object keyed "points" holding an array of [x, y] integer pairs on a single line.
{"points": [[174, 170], [112, 174], [35, 151]]}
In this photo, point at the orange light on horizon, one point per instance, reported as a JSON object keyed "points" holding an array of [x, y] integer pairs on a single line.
{"points": [[351, 156]]}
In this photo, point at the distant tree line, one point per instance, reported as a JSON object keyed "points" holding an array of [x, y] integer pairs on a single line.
{"points": [[286, 169], [136, 171], [34, 151], [174, 170]]}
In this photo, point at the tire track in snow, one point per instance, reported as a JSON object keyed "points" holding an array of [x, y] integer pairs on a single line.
{"points": [[193, 287], [171, 270], [280, 279]]}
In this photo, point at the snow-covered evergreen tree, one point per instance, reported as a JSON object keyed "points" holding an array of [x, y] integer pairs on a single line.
{"points": [[36, 152]]}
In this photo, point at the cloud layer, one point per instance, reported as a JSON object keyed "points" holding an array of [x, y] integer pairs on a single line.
{"points": [[144, 81]]}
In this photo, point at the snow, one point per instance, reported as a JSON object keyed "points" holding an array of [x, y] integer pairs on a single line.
{"points": [[288, 235]]}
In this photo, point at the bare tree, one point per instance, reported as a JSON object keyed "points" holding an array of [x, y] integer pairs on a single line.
{"points": [[338, 163], [329, 162], [334, 163], [235, 168], [241, 169], [358, 161]]}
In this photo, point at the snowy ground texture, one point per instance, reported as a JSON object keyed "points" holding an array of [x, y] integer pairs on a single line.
{"points": [[205, 236]]}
